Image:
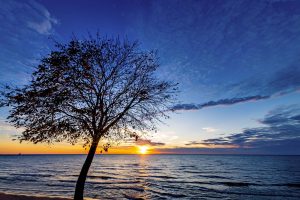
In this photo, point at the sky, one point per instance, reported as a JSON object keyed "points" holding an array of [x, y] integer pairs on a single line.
{"points": [[237, 64]]}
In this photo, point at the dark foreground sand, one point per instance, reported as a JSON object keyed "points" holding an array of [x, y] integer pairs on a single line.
{"points": [[23, 197]]}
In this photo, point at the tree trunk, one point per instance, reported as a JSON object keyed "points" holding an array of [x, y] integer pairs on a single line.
{"points": [[84, 171]]}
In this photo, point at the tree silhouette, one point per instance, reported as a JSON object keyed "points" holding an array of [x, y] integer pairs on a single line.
{"points": [[90, 90]]}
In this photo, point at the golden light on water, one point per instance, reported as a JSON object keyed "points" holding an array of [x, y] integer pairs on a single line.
{"points": [[143, 149]]}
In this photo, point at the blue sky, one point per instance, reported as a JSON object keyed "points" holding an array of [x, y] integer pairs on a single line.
{"points": [[236, 62]]}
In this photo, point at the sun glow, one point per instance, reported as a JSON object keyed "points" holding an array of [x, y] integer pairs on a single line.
{"points": [[143, 149]]}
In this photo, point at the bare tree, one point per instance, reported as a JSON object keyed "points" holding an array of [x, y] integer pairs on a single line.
{"points": [[90, 90]]}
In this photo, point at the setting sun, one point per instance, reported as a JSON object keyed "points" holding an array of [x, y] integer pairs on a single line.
{"points": [[143, 149]]}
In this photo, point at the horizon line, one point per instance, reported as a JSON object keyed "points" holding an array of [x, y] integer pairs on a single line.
{"points": [[237, 154]]}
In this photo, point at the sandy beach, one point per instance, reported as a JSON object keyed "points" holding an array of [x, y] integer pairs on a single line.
{"points": [[4, 196]]}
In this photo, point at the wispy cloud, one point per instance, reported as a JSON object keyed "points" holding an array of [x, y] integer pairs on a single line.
{"points": [[148, 142], [214, 57], [43, 27], [192, 143], [24, 30], [141, 142], [279, 134], [5, 127], [44, 24], [281, 128], [217, 103], [282, 82], [209, 129]]}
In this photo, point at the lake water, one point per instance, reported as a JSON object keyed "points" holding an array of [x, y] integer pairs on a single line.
{"points": [[155, 176]]}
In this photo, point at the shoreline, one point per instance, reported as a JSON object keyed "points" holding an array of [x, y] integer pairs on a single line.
{"points": [[9, 196]]}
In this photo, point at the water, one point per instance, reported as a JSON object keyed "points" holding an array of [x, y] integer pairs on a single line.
{"points": [[155, 176]]}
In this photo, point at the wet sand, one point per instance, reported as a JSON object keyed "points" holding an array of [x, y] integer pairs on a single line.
{"points": [[4, 196]]}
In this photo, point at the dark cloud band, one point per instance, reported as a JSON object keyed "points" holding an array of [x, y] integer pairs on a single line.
{"points": [[281, 130], [216, 103]]}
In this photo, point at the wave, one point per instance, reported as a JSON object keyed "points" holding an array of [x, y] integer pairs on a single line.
{"points": [[133, 197], [157, 177], [31, 175], [292, 185], [100, 177], [168, 194], [235, 184], [118, 187]]}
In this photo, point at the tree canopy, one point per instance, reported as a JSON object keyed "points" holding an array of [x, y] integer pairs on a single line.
{"points": [[90, 89]]}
